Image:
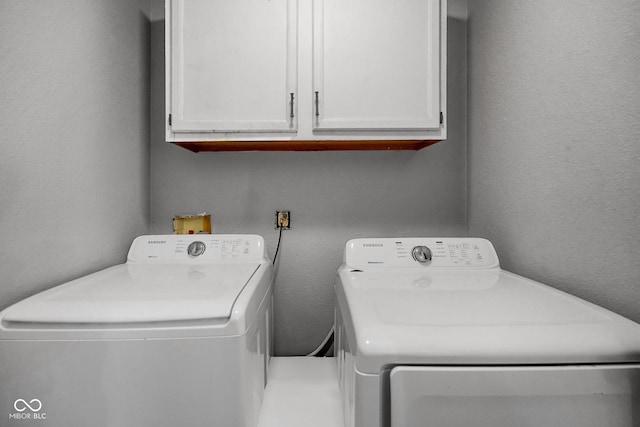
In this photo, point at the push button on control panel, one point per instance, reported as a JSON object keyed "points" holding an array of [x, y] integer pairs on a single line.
{"points": [[196, 248]]}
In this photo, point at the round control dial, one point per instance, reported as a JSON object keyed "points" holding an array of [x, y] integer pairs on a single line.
{"points": [[422, 254], [196, 248]]}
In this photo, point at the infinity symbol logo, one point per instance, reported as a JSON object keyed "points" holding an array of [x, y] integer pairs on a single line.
{"points": [[21, 405]]}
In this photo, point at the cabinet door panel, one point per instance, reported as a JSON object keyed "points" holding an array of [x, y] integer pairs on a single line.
{"points": [[376, 64], [233, 65]]}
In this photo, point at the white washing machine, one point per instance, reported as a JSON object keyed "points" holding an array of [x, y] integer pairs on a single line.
{"points": [[178, 335], [431, 332]]}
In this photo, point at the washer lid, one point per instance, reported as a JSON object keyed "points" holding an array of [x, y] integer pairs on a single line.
{"points": [[479, 317], [139, 293]]}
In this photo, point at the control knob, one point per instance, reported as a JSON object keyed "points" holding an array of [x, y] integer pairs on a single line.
{"points": [[422, 254], [196, 248]]}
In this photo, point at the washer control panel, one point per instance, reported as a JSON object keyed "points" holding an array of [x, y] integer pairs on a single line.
{"points": [[197, 248], [453, 252]]}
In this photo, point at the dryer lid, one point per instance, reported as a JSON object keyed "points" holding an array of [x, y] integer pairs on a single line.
{"points": [[485, 317], [139, 294]]}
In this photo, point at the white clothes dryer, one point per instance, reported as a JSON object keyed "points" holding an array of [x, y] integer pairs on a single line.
{"points": [[180, 334], [431, 332]]}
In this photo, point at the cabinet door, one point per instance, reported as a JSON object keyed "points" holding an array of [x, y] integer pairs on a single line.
{"points": [[232, 65], [376, 64]]}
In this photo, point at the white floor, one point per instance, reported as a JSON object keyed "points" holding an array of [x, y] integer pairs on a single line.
{"points": [[302, 391]]}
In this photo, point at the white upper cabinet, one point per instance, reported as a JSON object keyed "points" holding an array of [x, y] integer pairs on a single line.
{"points": [[232, 65], [305, 74], [376, 64]]}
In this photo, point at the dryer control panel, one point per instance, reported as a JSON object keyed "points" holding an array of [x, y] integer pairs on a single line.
{"points": [[452, 252], [190, 248]]}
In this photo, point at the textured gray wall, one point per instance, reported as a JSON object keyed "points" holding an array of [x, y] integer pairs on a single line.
{"points": [[333, 196], [554, 132], [74, 90]]}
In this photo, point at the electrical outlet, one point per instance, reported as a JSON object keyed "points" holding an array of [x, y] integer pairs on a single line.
{"points": [[283, 220]]}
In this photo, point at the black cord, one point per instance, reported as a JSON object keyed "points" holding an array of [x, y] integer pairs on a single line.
{"points": [[277, 247], [326, 347]]}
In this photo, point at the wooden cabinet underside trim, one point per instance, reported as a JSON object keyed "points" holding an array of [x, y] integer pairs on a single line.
{"points": [[197, 147]]}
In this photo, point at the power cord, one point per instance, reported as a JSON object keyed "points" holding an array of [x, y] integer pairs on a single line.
{"points": [[283, 221], [324, 346], [278, 246]]}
